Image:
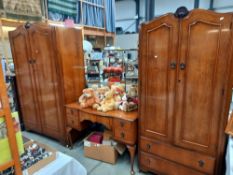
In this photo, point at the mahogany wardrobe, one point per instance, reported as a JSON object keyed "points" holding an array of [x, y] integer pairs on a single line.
{"points": [[49, 69], [185, 92]]}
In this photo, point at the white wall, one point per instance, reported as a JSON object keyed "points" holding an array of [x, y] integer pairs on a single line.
{"points": [[142, 9], [5, 49], [127, 9], [223, 3], [204, 4], [127, 41], [166, 6]]}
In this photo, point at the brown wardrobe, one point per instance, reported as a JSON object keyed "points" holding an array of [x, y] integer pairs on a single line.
{"points": [[185, 92], [49, 70]]}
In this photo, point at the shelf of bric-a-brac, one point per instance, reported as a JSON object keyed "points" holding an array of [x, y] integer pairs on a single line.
{"points": [[6, 114]]}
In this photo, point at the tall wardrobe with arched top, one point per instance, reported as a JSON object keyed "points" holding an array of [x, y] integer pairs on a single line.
{"points": [[49, 68], [185, 91]]}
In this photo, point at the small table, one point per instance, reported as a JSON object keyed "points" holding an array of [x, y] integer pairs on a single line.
{"points": [[122, 124], [62, 165]]}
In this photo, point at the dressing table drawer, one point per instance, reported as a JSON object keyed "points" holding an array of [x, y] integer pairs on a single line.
{"points": [[125, 131]]}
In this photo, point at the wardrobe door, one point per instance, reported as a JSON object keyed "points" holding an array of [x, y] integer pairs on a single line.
{"points": [[44, 62], [203, 71], [72, 69], [24, 77], [158, 57]]}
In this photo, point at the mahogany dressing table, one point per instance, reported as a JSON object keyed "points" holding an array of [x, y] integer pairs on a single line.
{"points": [[122, 124]]}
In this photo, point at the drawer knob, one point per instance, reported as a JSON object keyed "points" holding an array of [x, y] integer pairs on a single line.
{"points": [[148, 146], [122, 135], [201, 163], [122, 124]]}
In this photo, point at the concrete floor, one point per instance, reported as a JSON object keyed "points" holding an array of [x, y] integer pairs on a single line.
{"points": [[93, 167]]}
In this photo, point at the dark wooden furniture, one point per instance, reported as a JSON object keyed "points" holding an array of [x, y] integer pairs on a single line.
{"points": [[122, 124], [185, 92], [49, 70]]}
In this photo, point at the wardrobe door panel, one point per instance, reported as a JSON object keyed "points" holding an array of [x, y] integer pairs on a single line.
{"points": [[43, 55], [25, 78], [69, 44], [158, 41], [205, 37]]}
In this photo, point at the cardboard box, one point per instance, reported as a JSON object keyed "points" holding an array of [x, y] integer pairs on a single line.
{"points": [[105, 152], [34, 168], [107, 135]]}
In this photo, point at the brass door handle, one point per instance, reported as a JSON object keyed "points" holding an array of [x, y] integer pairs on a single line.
{"points": [[33, 61], [30, 61], [173, 65], [201, 163], [182, 66]]}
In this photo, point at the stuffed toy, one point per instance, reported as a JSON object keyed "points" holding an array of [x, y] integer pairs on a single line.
{"points": [[108, 103], [118, 93], [99, 96], [87, 99], [133, 91], [128, 104], [123, 104]]}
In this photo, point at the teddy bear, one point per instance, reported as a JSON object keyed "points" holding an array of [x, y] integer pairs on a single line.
{"points": [[99, 96], [128, 104], [108, 103], [87, 99], [118, 92]]}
